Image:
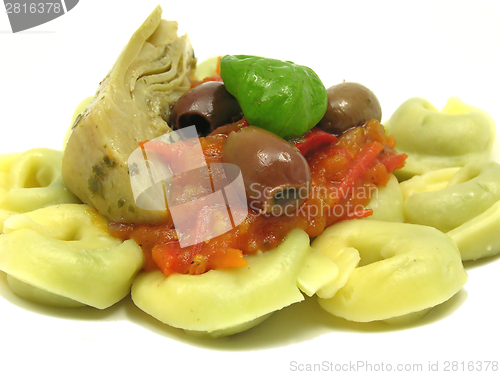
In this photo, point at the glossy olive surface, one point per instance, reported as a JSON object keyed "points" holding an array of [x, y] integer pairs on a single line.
{"points": [[275, 174], [206, 106], [350, 104]]}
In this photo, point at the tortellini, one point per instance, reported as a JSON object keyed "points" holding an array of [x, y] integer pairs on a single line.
{"points": [[227, 301], [387, 202], [478, 237], [67, 253], [206, 68], [458, 134], [402, 269], [40, 296], [460, 201], [31, 180]]}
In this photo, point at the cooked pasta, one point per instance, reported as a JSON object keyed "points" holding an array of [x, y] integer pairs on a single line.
{"points": [[226, 301], [460, 201], [387, 202], [31, 180], [403, 269], [436, 139], [478, 238], [66, 251]]}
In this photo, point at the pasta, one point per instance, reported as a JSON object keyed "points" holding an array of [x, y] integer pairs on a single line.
{"points": [[460, 201], [478, 238], [40, 296], [387, 203], [222, 302], [403, 269], [435, 140], [70, 255], [31, 180]]}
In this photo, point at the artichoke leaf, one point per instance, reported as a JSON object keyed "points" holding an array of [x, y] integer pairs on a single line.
{"points": [[132, 105]]}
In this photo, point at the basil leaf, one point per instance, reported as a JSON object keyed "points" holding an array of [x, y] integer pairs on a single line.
{"points": [[280, 96]]}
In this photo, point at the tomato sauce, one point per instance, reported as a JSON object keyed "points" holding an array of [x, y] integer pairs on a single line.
{"points": [[344, 176]]}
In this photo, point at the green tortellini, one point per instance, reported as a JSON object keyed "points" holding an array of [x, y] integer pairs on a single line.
{"points": [[458, 134], [227, 301], [40, 296], [478, 237], [460, 201], [401, 270], [387, 202], [66, 252], [31, 180]]}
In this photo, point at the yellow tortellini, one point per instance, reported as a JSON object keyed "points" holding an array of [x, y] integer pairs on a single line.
{"points": [[402, 269], [63, 255], [31, 180], [458, 134], [227, 301], [460, 201]]}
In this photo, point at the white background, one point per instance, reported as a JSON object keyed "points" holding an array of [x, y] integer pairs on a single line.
{"points": [[434, 49]]}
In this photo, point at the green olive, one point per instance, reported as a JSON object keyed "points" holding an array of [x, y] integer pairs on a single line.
{"points": [[350, 104]]}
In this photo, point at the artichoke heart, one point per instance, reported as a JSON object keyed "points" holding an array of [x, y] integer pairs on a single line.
{"points": [[132, 105]]}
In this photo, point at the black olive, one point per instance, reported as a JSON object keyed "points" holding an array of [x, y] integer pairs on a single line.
{"points": [[350, 104], [275, 174], [206, 106]]}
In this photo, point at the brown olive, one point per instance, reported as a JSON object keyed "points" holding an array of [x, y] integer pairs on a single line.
{"points": [[350, 104], [206, 106], [275, 174]]}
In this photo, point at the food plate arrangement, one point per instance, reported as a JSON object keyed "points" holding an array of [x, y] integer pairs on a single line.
{"points": [[304, 326]]}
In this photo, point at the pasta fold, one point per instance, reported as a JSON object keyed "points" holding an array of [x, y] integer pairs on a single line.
{"points": [[227, 301], [403, 269], [478, 238], [460, 201], [30, 180], [432, 139], [65, 250], [387, 202]]}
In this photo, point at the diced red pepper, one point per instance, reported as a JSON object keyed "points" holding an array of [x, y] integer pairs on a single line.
{"points": [[392, 161], [313, 140]]}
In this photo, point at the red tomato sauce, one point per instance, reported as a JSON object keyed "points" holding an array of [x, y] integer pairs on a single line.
{"points": [[344, 176]]}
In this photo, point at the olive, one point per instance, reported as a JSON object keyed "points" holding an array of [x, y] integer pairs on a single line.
{"points": [[350, 104], [206, 106], [275, 174]]}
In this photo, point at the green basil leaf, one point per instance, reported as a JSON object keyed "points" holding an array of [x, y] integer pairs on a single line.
{"points": [[280, 96]]}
